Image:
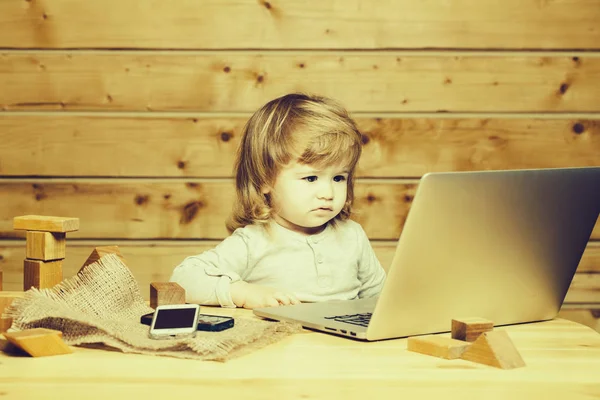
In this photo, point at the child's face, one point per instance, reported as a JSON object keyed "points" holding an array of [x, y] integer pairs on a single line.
{"points": [[305, 198]]}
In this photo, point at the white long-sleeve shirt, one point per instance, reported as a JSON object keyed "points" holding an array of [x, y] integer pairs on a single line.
{"points": [[336, 264]]}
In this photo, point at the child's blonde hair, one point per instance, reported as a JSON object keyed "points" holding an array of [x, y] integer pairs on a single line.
{"points": [[296, 127]]}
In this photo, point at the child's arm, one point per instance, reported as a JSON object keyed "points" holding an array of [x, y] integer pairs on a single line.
{"points": [[206, 277], [370, 272], [214, 278], [248, 295]]}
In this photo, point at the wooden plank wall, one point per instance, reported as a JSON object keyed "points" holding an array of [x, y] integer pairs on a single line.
{"points": [[127, 115]]}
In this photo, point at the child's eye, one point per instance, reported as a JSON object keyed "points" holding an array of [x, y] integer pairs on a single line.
{"points": [[339, 178], [311, 178]]}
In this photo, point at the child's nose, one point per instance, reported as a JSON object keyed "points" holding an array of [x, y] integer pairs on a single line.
{"points": [[325, 191]]}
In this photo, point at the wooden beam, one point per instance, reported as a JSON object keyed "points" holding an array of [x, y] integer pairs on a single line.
{"points": [[378, 82], [169, 209], [203, 24], [205, 145], [152, 261]]}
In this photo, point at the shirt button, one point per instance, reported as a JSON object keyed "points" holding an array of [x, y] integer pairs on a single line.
{"points": [[320, 259]]}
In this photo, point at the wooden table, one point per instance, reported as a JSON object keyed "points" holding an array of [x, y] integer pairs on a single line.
{"points": [[563, 362]]}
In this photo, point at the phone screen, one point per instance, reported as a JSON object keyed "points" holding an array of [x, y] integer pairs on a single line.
{"points": [[175, 318]]}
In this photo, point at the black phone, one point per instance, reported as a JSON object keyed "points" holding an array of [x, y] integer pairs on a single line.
{"points": [[206, 322], [214, 323]]}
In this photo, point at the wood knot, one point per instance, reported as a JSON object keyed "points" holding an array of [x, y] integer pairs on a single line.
{"points": [[141, 199], [260, 79], [563, 88], [408, 198], [225, 136], [226, 70], [578, 128], [371, 198], [364, 139], [267, 5], [167, 196], [189, 212], [181, 164], [39, 192]]}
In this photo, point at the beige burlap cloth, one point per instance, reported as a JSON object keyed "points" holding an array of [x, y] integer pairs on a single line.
{"points": [[103, 305]]}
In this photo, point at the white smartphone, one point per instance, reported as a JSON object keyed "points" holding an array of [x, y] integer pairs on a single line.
{"points": [[174, 321]]}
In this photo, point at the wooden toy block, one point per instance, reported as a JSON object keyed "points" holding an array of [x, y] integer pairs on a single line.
{"points": [[5, 324], [6, 346], [438, 346], [166, 293], [45, 245], [494, 348], [41, 274], [101, 251], [39, 342], [6, 299], [45, 223], [469, 329]]}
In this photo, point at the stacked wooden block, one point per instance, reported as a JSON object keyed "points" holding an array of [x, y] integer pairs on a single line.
{"points": [[6, 299], [473, 339], [45, 252], [39, 342], [162, 293], [45, 248]]}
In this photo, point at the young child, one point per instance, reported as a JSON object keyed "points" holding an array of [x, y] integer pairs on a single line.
{"points": [[292, 238]]}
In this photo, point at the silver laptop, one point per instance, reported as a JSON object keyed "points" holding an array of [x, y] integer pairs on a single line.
{"points": [[500, 245]]}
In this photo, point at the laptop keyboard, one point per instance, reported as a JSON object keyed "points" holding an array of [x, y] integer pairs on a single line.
{"points": [[355, 319]]}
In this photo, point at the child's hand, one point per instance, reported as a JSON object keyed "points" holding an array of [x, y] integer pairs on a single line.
{"points": [[249, 295]]}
